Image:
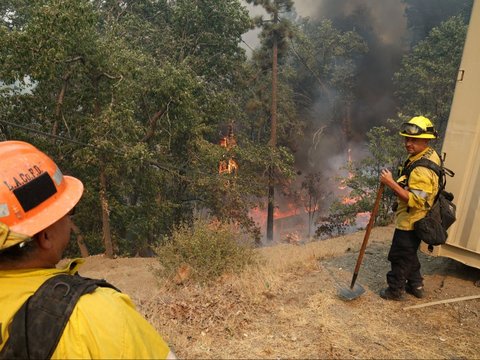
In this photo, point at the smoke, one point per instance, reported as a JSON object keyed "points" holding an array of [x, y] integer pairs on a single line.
{"points": [[329, 144], [382, 24], [385, 17]]}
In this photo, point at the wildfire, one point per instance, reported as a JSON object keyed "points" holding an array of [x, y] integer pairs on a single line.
{"points": [[289, 222], [291, 210], [260, 215], [228, 165], [349, 200], [362, 218], [342, 185]]}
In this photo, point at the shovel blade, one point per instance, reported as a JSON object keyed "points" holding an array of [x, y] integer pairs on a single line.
{"points": [[349, 293]]}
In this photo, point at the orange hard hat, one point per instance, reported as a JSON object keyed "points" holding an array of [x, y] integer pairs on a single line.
{"points": [[34, 194]]}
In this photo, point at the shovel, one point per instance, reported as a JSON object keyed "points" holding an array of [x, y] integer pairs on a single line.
{"points": [[355, 290]]}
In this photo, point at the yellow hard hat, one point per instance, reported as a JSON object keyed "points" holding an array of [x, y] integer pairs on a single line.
{"points": [[419, 127], [34, 194]]}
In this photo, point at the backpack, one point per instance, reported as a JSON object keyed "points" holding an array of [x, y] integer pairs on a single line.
{"points": [[37, 327], [432, 229]]}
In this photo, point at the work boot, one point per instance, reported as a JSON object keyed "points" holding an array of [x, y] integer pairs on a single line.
{"points": [[416, 291], [389, 294]]}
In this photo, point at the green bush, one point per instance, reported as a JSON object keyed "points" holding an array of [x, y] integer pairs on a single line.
{"points": [[205, 250]]}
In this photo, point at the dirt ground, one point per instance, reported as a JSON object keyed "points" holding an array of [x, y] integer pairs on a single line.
{"points": [[298, 313]]}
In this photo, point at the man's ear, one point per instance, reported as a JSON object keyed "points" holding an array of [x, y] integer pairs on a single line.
{"points": [[43, 240]]}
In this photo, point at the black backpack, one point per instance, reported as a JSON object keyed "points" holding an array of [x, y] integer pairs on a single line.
{"points": [[38, 325], [432, 229]]}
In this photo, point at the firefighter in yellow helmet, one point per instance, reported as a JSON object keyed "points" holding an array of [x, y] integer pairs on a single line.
{"points": [[36, 201], [415, 195]]}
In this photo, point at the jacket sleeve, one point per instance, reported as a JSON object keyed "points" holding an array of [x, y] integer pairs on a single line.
{"points": [[106, 325], [423, 186]]}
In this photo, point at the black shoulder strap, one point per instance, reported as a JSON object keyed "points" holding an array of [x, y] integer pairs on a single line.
{"points": [[425, 163], [440, 170], [38, 325]]}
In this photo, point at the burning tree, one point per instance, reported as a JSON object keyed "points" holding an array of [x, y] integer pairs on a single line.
{"points": [[312, 185], [386, 151], [228, 164], [275, 32]]}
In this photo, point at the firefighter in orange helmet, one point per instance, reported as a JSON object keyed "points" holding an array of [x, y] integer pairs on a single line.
{"points": [[36, 201], [415, 195]]}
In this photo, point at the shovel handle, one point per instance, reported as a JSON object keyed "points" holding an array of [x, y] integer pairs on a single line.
{"points": [[371, 221]]}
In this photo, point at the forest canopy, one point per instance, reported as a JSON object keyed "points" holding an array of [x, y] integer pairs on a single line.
{"points": [[134, 98]]}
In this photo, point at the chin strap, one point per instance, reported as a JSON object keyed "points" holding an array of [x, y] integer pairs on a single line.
{"points": [[9, 238]]}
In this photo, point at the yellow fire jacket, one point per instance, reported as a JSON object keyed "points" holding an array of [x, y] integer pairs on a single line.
{"points": [[422, 186], [103, 325]]}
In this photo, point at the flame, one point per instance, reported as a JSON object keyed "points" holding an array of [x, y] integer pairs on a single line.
{"points": [[228, 165], [349, 200], [343, 184], [288, 219], [361, 218], [291, 210], [260, 215]]}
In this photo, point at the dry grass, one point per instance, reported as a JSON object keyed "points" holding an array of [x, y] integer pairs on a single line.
{"points": [[224, 310], [288, 307]]}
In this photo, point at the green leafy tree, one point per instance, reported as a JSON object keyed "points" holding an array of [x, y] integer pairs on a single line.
{"points": [[273, 38], [313, 196], [324, 61], [426, 80], [141, 112], [424, 85], [424, 15], [386, 150]]}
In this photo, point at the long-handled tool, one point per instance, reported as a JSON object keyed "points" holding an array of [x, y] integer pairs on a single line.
{"points": [[355, 290]]}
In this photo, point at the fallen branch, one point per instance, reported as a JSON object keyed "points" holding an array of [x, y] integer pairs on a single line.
{"points": [[464, 298]]}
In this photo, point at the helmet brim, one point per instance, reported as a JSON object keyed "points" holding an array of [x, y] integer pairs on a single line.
{"points": [[55, 208], [420, 136]]}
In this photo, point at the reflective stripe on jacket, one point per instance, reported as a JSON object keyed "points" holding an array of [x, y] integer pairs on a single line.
{"points": [[423, 187], [103, 325]]}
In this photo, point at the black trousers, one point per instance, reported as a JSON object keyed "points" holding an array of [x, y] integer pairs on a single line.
{"points": [[405, 266]]}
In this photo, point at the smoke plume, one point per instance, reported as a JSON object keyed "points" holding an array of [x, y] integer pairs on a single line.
{"points": [[382, 24]]}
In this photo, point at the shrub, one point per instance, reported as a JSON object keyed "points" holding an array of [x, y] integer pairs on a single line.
{"points": [[204, 251]]}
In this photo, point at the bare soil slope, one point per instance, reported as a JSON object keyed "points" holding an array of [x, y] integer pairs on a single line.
{"points": [[290, 308]]}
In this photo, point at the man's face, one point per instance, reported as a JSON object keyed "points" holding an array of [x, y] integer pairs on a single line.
{"points": [[59, 233], [415, 146]]}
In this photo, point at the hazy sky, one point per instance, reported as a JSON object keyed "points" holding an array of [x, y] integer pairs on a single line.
{"points": [[382, 24], [389, 23]]}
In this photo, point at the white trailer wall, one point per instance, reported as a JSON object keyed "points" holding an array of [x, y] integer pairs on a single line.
{"points": [[462, 145]]}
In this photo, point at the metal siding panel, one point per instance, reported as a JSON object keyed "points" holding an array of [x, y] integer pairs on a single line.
{"points": [[462, 145]]}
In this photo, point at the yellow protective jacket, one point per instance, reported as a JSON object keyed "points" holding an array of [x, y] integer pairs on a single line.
{"points": [[103, 324], [423, 187]]}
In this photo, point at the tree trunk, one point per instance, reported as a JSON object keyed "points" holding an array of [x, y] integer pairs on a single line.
{"points": [[271, 204], [310, 216], [273, 136], [81, 244], [106, 233], [347, 124], [59, 105]]}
